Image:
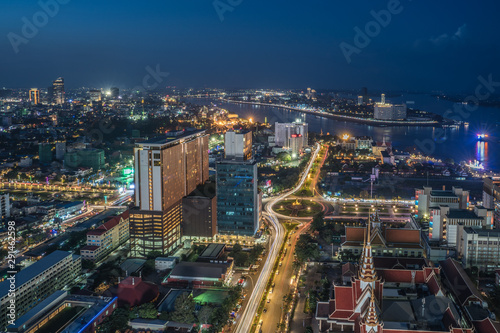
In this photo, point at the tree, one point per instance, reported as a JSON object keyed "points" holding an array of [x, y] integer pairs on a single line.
{"points": [[364, 194], [184, 309], [284, 156], [118, 321], [153, 254], [241, 259], [205, 314], [306, 248], [318, 221], [147, 311]]}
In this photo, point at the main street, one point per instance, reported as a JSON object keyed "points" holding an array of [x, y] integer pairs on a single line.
{"points": [[245, 322]]}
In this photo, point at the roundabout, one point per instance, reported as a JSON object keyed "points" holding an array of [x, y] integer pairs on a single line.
{"points": [[298, 208]]}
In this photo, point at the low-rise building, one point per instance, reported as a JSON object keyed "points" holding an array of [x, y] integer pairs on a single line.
{"points": [[201, 274], [480, 248], [107, 237], [56, 271], [445, 223], [426, 198], [90, 311]]}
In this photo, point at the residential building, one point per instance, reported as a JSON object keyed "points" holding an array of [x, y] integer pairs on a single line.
{"points": [[167, 168], [444, 222], [480, 248], [426, 198], [93, 311], [238, 145], [106, 238], [38, 281], [284, 131]]}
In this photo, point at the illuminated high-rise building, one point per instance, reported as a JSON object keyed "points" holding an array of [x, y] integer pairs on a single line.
{"points": [[95, 95], [34, 95], [58, 91], [238, 145], [238, 198], [167, 168]]}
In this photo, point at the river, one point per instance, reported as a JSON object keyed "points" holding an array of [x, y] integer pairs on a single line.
{"points": [[460, 144]]}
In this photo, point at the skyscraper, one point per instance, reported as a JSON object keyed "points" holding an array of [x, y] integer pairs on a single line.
{"points": [[58, 91], [34, 95], [115, 92], [166, 169], [283, 133], [238, 199]]}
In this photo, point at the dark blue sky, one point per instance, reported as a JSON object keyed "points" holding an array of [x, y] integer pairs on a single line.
{"points": [[429, 45]]}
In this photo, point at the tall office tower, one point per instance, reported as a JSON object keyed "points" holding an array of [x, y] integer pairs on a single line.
{"points": [[238, 145], [60, 150], [238, 199], [167, 168], [34, 96], [58, 91], [4, 206], [382, 99], [115, 92], [360, 100], [309, 93], [95, 95], [364, 93]]}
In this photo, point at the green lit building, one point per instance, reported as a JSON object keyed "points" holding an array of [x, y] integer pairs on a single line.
{"points": [[45, 153], [87, 158]]}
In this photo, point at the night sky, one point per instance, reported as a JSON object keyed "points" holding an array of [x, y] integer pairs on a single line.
{"points": [[428, 45]]}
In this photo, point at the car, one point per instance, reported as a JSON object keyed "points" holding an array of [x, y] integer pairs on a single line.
{"points": [[268, 300], [265, 310]]}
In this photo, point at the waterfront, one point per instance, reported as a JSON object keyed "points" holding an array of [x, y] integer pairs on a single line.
{"points": [[456, 143]]}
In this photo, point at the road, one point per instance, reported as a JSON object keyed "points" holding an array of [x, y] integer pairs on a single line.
{"points": [[247, 318]]}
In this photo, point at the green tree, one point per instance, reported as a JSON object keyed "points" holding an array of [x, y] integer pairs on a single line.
{"points": [[284, 156], [306, 248], [241, 259], [318, 221], [147, 311], [205, 314], [118, 321], [184, 309]]}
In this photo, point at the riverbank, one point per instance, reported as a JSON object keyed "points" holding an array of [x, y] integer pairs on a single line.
{"points": [[368, 121]]}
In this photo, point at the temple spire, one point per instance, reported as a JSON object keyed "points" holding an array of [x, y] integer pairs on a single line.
{"points": [[367, 272], [371, 318]]}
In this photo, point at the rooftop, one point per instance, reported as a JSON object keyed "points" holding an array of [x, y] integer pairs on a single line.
{"points": [[483, 232], [441, 193], [462, 214], [33, 270], [171, 137], [199, 270], [213, 251]]}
